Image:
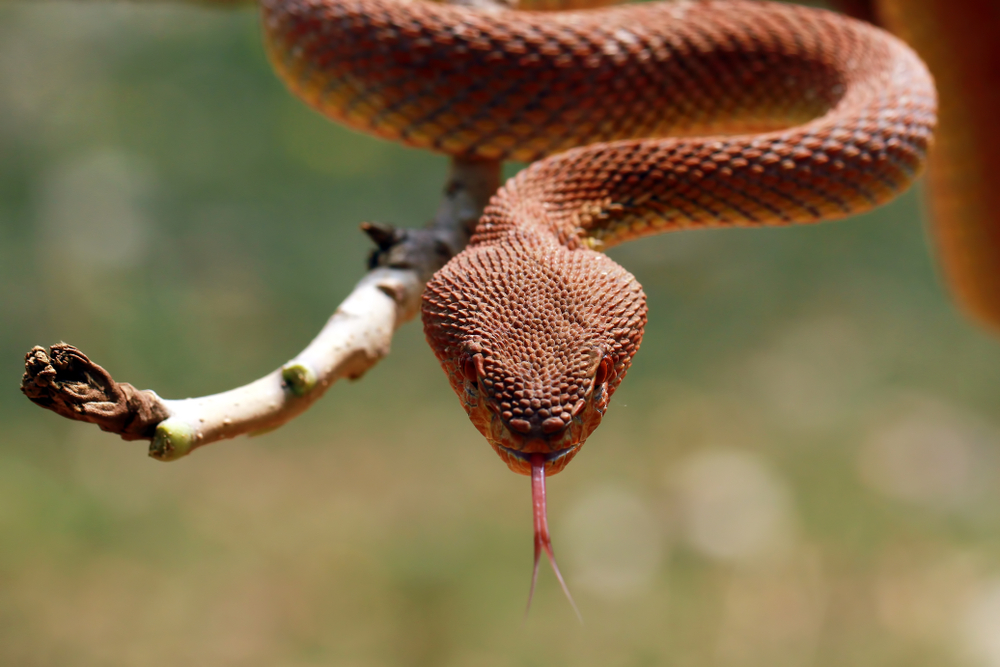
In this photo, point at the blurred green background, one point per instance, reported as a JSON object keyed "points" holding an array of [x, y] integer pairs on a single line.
{"points": [[801, 469]]}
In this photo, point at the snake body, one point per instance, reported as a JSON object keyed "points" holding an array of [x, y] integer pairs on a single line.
{"points": [[643, 119]]}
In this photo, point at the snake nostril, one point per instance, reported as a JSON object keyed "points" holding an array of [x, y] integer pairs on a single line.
{"points": [[553, 424]]}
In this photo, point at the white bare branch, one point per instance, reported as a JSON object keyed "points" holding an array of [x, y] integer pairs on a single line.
{"points": [[355, 338]]}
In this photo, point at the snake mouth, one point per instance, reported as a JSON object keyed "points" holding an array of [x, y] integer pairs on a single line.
{"points": [[520, 462], [549, 457]]}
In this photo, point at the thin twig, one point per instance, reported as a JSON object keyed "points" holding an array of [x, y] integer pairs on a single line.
{"points": [[355, 338]]}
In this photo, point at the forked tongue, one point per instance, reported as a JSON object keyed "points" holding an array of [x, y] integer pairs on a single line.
{"points": [[542, 539]]}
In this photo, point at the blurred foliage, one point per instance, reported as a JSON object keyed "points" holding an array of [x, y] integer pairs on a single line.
{"points": [[801, 469]]}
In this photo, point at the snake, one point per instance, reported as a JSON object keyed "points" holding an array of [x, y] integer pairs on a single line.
{"points": [[636, 120]]}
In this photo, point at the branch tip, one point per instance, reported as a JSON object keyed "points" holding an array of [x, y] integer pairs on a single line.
{"points": [[67, 382]]}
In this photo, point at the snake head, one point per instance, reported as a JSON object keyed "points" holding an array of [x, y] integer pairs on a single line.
{"points": [[534, 341]]}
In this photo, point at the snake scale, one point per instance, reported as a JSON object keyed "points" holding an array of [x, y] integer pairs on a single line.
{"points": [[638, 120]]}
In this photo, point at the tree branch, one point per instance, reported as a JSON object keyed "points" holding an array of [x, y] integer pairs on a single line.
{"points": [[354, 339]]}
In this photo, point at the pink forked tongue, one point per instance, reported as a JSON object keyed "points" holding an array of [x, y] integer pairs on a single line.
{"points": [[542, 539]]}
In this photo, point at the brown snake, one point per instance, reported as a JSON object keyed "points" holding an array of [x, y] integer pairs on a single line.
{"points": [[689, 114]]}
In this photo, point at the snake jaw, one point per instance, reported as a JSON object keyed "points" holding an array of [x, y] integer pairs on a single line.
{"points": [[520, 461]]}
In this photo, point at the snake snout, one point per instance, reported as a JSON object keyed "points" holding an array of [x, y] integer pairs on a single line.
{"points": [[538, 428], [537, 436], [517, 443]]}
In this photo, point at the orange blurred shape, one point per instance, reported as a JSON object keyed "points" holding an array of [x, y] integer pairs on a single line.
{"points": [[960, 42]]}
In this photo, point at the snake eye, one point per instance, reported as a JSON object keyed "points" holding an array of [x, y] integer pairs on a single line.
{"points": [[469, 370], [603, 371]]}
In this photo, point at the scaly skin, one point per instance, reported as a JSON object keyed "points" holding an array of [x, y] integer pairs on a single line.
{"points": [[689, 114]]}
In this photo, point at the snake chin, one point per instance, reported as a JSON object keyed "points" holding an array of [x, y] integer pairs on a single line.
{"points": [[519, 461]]}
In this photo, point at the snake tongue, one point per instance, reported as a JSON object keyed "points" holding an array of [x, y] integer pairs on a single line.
{"points": [[542, 539]]}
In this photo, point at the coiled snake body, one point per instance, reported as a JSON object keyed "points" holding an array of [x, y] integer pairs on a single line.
{"points": [[669, 116]]}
